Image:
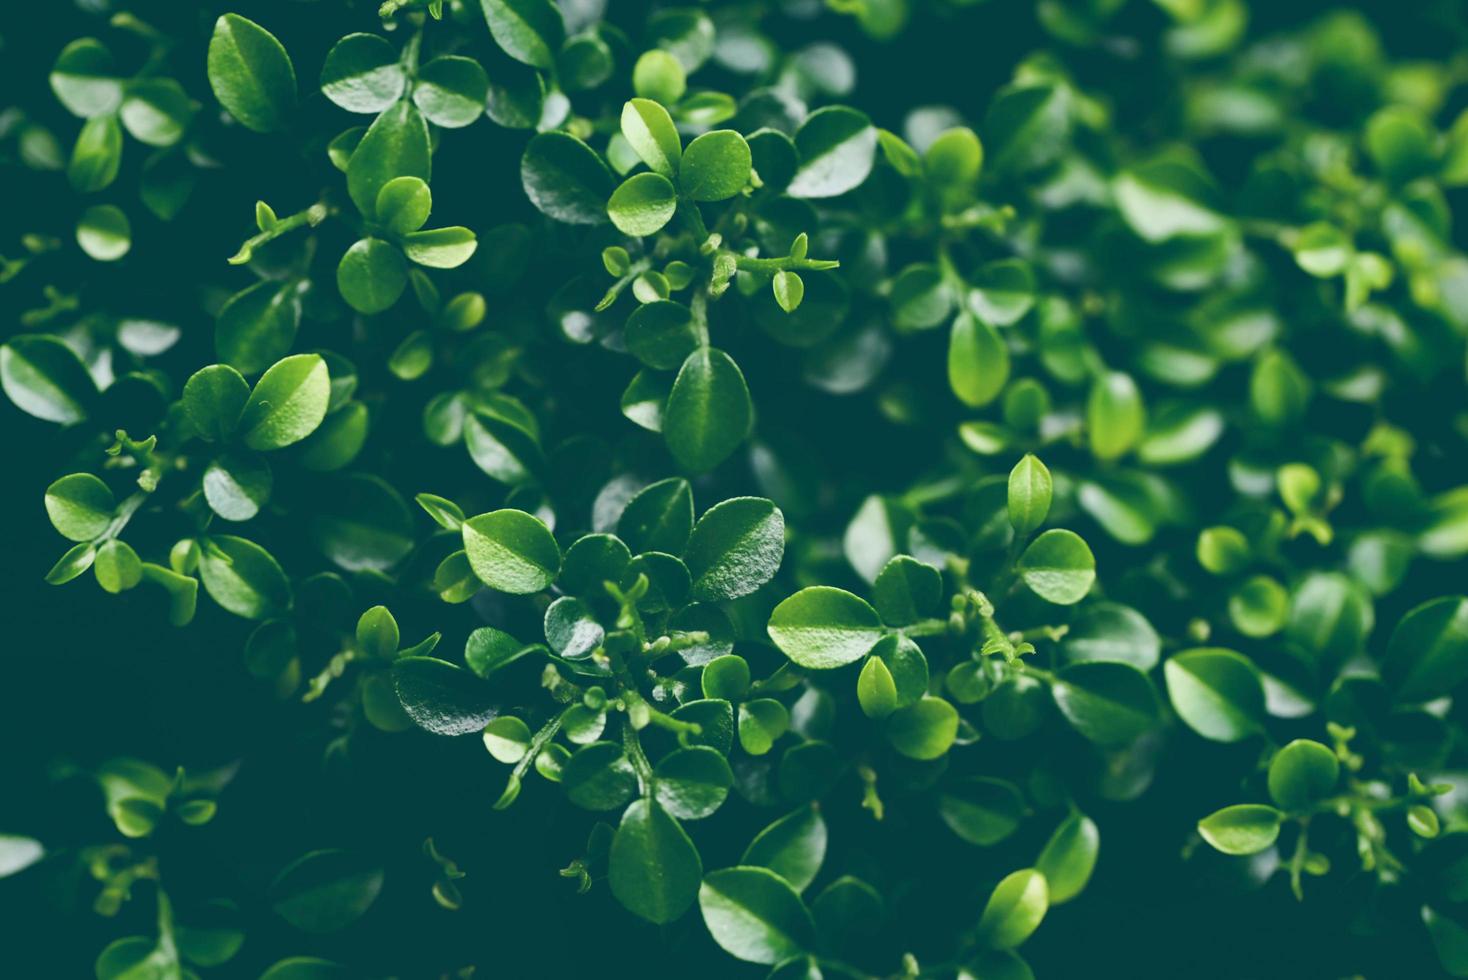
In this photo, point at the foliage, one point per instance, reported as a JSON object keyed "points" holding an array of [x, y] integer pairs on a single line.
{"points": [[858, 501]]}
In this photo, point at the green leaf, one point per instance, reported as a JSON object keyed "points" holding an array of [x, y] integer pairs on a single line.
{"points": [[571, 628], [1030, 488], [288, 403], [715, 166], [85, 78], [654, 869], [599, 777], [1247, 828], [117, 566], [530, 31], [754, 915], [793, 847], [237, 485], [726, 677], [978, 361], [709, 413], [44, 378], [306, 968], [1427, 655], [1109, 703], [74, 562], [80, 506], [981, 810], [1027, 127], [403, 204], [451, 91], [1217, 693], [441, 697], [735, 548], [251, 74], [1015, 910], [837, 147], [213, 399], [97, 155], [1322, 250], [440, 248], [325, 891], [157, 111], [650, 130], [924, 729], [822, 627], [104, 233], [371, 275], [954, 159], [659, 75], [565, 179], [488, 649], [1108, 631], [789, 290], [511, 551], [1302, 774], [244, 578], [257, 326], [362, 524], [643, 204], [362, 74], [876, 690], [1058, 567], [1069, 857], [18, 853], [761, 724], [1004, 291], [906, 590], [1402, 144], [1115, 417], [907, 665], [692, 783], [395, 145], [660, 518]]}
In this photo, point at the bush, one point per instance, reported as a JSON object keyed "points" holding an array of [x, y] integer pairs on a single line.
{"points": [[934, 489]]}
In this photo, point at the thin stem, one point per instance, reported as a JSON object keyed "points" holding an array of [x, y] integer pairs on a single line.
{"points": [[786, 262], [311, 217]]}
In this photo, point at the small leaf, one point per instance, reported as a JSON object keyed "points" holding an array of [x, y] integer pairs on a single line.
{"points": [[441, 697], [643, 204], [44, 378], [1302, 774], [793, 847], [837, 147], [1247, 828], [1109, 703], [288, 403], [1059, 567], [755, 916], [1015, 910], [650, 130], [1069, 857], [80, 506], [1029, 495], [735, 548], [709, 412], [821, 627], [512, 551], [789, 290], [1217, 692], [362, 74], [325, 891], [251, 74], [715, 166]]}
